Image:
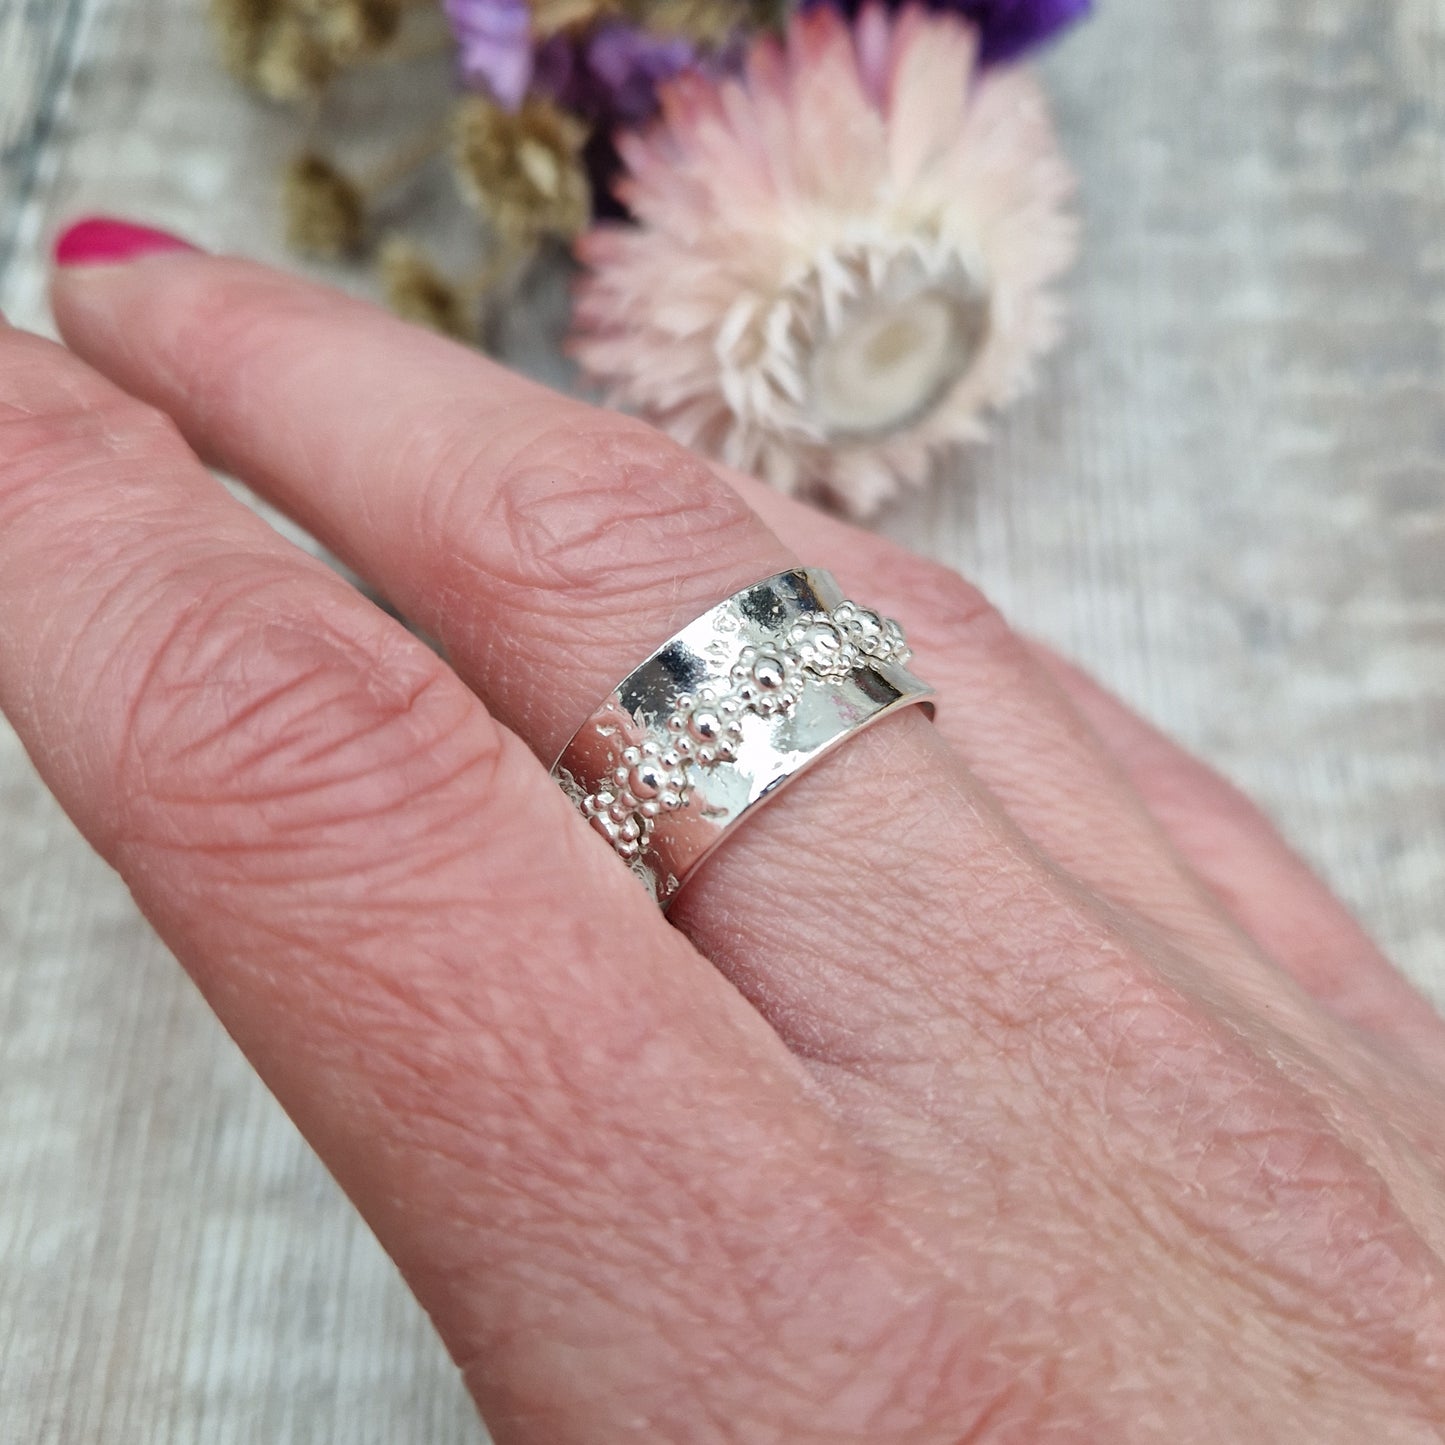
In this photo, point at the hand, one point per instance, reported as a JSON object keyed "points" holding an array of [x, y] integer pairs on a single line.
{"points": [[1005, 1080]]}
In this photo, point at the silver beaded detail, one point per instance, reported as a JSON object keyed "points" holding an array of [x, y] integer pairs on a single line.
{"points": [[705, 727], [726, 712]]}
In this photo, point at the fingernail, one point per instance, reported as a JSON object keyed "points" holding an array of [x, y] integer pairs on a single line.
{"points": [[106, 241]]}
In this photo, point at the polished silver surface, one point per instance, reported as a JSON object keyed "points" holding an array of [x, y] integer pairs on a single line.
{"points": [[725, 713]]}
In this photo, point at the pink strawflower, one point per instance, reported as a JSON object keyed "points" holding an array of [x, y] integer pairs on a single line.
{"points": [[840, 257]]}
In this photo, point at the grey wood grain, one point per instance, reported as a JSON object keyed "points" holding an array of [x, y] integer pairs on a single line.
{"points": [[1228, 499]]}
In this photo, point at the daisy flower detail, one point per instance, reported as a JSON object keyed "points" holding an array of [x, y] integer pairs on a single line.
{"points": [[840, 258]]}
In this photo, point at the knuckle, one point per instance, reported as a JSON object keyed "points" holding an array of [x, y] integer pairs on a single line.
{"points": [[600, 507], [259, 712], [944, 610], [1295, 1212], [1287, 1199]]}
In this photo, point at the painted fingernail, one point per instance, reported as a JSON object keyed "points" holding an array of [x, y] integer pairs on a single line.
{"points": [[106, 241]]}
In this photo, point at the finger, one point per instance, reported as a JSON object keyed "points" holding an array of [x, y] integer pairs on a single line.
{"points": [[1177, 842], [539, 1095], [1239, 854], [551, 547], [1012, 725], [1021, 735]]}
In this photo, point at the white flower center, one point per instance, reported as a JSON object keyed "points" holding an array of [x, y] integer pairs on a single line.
{"points": [[893, 361], [864, 343]]}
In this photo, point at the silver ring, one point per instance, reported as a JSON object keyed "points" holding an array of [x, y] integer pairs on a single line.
{"points": [[725, 713]]}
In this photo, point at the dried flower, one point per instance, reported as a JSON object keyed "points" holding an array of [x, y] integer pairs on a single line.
{"points": [[418, 292], [1012, 27], [325, 209], [840, 260], [241, 26], [272, 48], [351, 29], [611, 74], [523, 170], [494, 46], [292, 64], [706, 23], [1007, 28]]}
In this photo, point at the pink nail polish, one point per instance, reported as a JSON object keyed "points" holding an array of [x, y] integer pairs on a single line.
{"points": [[105, 241]]}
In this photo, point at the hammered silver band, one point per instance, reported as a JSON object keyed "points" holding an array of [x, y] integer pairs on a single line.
{"points": [[725, 713]]}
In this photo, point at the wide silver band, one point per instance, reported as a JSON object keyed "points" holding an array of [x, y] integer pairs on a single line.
{"points": [[721, 716]]}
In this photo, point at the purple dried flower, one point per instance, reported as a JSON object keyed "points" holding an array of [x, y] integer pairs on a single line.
{"points": [[630, 64], [1011, 27], [1008, 28], [611, 74], [494, 39]]}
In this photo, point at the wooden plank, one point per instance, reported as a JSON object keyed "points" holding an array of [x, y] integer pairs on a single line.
{"points": [[1228, 498]]}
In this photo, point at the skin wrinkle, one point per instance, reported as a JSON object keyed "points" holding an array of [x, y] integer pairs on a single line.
{"points": [[1321, 1035], [950, 994], [532, 1101], [1255, 1251], [36, 459], [890, 1334], [187, 680], [1208, 1228], [383, 976], [257, 708], [277, 805], [453, 978], [791, 1292], [1188, 799], [565, 518], [756, 1328], [888, 1409], [570, 538]]}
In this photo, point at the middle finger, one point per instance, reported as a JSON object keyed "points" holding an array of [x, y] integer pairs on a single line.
{"points": [[551, 547]]}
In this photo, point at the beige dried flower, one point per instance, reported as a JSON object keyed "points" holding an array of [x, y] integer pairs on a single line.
{"points": [[706, 22], [417, 291], [350, 30], [290, 49], [242, 27], [325, 209], [523, 170], [291, 63]]}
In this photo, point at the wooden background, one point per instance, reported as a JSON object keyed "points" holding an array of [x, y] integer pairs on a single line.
{"points": [[1229, 499]]}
